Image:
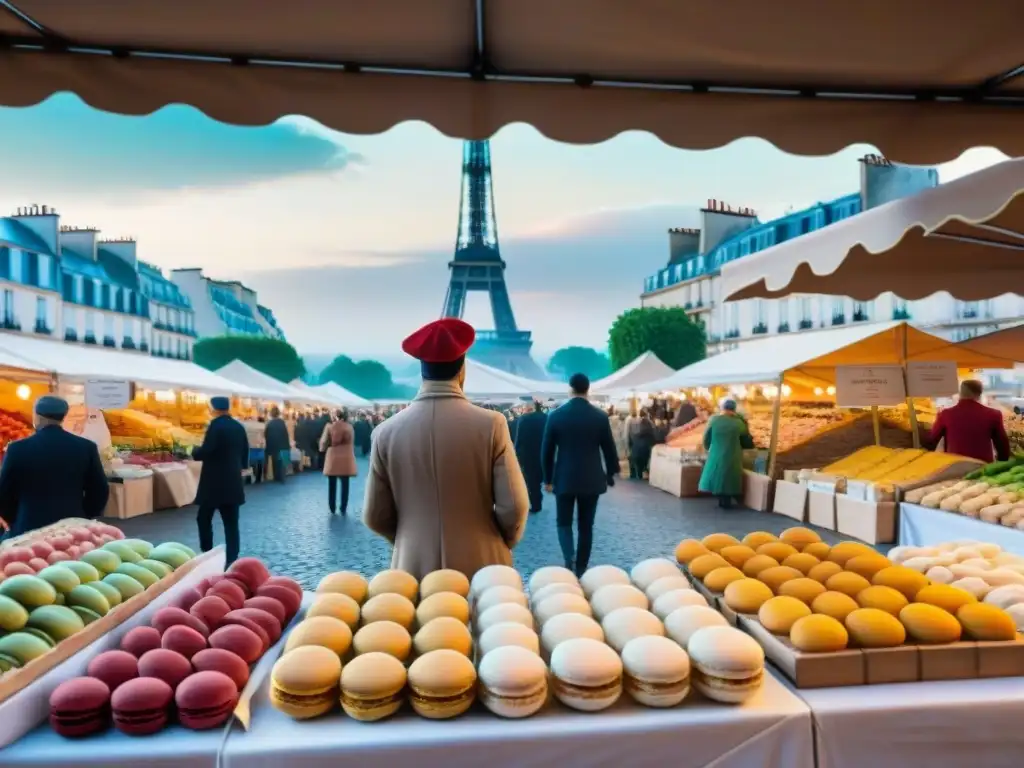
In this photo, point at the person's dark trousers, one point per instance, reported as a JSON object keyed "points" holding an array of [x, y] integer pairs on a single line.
{"points": [[280, 470], [229, 517], [576, 558], [332, 493], [321, 457], [533, 488], [257, 471]]}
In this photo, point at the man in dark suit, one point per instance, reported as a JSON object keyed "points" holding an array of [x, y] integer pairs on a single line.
{"points": [[278, 443], [362, 429], [529, 438], [224, 453], [580, 463], [51, 475]]}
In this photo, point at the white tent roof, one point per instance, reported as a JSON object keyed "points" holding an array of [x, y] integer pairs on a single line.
{"points": [[262, 385], [485, 382], [532, 386], [635, 375], [965, 237], [813, 356], [80, 362], [340, 395]]}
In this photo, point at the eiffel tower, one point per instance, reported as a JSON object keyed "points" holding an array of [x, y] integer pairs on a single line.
{"points": [[478, 266]]}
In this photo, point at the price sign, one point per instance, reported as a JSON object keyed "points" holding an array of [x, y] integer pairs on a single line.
{"points": [[861, 386], [107, 395], [932, 379]]}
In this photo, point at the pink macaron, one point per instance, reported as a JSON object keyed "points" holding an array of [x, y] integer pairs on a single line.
{"points": [[172, 616], [139, 640], [185, 640]]}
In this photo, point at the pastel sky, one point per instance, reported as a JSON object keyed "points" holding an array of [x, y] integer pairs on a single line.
{"points": [[347, 238]]}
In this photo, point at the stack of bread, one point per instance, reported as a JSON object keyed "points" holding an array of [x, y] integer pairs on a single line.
{"points": [[829, 598]]}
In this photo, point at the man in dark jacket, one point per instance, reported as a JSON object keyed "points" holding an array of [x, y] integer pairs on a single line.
{"points": [[580, 463], [362, 429], [529, 438], [687, 412], [224, 454], [51, 475], [278, 443]]}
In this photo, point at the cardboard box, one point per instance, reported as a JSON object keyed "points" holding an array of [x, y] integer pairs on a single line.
{"points": [[821, 509], [174, 486], [790, 500], [808, 670], [130, 497], [871, 522], [757, 491], [669, 475]]}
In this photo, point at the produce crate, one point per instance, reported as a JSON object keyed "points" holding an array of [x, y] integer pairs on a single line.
{"points": [[790, 500], [871, 522]]}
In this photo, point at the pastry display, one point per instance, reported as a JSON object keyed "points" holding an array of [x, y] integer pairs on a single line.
{"points": [[779, 614], [666, 584], [656, 671], [613, 596], [727, 665], [306, 682], [555, 588], [205, 700], [557, 604], [676, 599], [568, 626], [499, 614], [494, 576], [444, 580], [511, 633], [586, 674], [682, 623], [442, 684], [601, 576], [497, 595], [623, 624], [393, 582], [336, 604], [446, 632], [449, 604], [348, 583], [80, 707], [372, 686], [389, 606], [325, 631], [875, 628], [818, 633], [551, 574], [513, 681], [646, 572], [383, 637]]}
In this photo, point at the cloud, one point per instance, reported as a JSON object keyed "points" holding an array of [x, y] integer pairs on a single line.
{"points": [[567, 286], [65, 146]]}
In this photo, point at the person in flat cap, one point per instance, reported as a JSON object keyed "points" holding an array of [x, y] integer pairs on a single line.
{"points": [[224, 454], [444, 484], [51, 475]]}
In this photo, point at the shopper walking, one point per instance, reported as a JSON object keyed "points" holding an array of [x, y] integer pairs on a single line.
{"points": [[725, 438], [338, 444], [580, 463], [51, 475], [529, 438], [224, 454], [641, 443], [970, 428], [278, 444]]}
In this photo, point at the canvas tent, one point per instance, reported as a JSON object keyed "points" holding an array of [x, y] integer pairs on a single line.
{"points": [[338, 394], [484, 383], [536, 387], [633, 376], [809, 359], [965, 237], [79, 362], [266, 386], [921, 82], [1007, 344]]}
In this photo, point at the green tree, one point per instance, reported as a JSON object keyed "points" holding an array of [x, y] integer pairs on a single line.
{"points": [[366, 378], [270, 356], [569, 360], [668, 332]]}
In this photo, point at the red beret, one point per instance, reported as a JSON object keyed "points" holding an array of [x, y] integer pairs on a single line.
{"points": [[442, 341]]}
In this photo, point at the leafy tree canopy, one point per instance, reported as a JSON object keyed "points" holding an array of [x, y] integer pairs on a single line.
{"points": [[366, 378], [569, 360], [270, 356], [668, 332]]}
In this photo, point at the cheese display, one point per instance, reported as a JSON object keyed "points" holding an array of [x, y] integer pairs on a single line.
{"points": [[140, 431], [993, 493]]}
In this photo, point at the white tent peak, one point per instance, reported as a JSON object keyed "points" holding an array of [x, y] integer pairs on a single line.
{"points": [[340, 395], [266, 386], [634, 375]]}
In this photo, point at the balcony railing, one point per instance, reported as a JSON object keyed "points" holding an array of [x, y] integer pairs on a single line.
{"points": [[734, 334], [90, 338], [760, 329], [901, 314], [806, 324], [839, 319], [108, 341], [860, 316], [70, 335], [783, 327], [10, 324], [42, 328], [128, 343], [143, 347]]}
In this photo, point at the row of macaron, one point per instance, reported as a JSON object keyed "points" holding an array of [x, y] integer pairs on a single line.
{"points": [[181, 665], [828, 598]]}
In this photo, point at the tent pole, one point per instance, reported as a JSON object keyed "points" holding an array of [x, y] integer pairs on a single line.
{"points": [[876, 425], [915, 432], [773, 443]]}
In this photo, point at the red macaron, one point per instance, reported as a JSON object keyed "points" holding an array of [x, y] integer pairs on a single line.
{"points": [[287, 583], [188, 598], [163, 664], [237, 580], [251, 625], [251, 570], [283, 595], [139, 640], [269, 624], [224, 661], [185, 640], [239, 640], [206, 700], [210, 610], [141, 706], [230, 592], [80, 707], [171, 616], [268, 604], [114, 668]]}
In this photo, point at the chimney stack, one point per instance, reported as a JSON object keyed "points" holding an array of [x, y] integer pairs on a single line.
{"points": [[882, 181], [720, 221], [123, 248], [683, 242], [42, 221], [83, 240]]}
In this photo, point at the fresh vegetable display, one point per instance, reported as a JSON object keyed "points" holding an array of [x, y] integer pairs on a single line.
{"points": [[140, 431], [12, 427], [993, 493]]}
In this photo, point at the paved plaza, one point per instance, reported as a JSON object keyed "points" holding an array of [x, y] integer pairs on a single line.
{"points": [[290, 528]]}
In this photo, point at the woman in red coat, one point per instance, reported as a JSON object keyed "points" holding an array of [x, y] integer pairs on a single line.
{"points": [[338, 440]]}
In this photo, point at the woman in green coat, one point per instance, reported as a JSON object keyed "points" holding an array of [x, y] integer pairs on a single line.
{"points": [[724, 439]]}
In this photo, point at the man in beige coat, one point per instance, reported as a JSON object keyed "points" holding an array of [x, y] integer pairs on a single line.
{"points": [[444, 485]]}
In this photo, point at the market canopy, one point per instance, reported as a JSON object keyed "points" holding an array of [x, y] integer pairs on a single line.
{"points": [[810, 358], [338, 394], [921, 82], [79, 362], [965, 237], [483, 383], [264, 386], [536, 387], [633, 376], [1007, 344]]}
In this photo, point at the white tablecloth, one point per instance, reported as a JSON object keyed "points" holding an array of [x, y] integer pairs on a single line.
{"points": [[949, 724], [774, 729], [923, 527]]}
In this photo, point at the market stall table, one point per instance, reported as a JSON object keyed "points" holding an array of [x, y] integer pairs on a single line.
{"points": [[947, 724], [925, 527], [774, 728]]}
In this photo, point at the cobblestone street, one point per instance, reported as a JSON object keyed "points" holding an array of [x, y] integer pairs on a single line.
{"points": [[290, 528]]}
